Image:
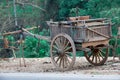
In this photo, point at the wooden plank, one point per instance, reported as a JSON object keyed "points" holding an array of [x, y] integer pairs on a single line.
{"points": [[96, 38], [95, 43], [86, 21], [9, 33], [96, 20], [79, 18], [15, 32], [99, 33], [77, 24], [97, 24]]}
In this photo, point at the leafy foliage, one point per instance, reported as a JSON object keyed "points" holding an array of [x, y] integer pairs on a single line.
{"points": [[113, 43], [36, 48]]}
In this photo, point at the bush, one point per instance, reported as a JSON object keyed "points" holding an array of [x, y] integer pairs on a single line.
{"points": [[35, 47], [116, 48]]}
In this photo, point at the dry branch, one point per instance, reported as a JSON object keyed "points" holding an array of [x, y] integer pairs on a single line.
{"points": [[36, 6]]}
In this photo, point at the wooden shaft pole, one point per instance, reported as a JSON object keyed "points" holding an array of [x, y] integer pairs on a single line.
{"points": [[18, 31], [36, 36]]}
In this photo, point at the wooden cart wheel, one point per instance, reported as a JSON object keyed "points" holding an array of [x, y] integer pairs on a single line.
{"points": [[97, 56], [63, 52]]}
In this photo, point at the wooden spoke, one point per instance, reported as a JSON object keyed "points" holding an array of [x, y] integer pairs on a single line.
{"points": [[67, 45], [65, 40], [57, 41], [98, 57], [63, 47], [69, 58], [102, 52], [60, 62], [62, 40], [63, 62], [68, 52], [57, 44], [68, 48], [55, 47], [101, 55], [93, 58], [58, 59], [66, 61]]}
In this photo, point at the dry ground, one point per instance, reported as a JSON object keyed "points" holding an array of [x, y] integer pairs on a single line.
{"points": [[36, 65]]}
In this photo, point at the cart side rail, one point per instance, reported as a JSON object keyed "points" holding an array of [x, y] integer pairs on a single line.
{"points": [[82, 30]]}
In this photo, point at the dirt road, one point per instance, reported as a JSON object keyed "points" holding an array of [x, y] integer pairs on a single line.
{"points": [[37, 65]]}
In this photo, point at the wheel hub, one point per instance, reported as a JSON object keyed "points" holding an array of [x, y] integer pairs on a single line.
{"points": [[96, 51], [61, 52]]}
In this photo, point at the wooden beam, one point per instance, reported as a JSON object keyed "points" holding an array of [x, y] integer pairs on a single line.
{"points": [[16, 32], [36, 36], [97, 25], [95, 43]]}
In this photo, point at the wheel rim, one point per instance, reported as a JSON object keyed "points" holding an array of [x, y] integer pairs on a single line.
{"points": [[97, 56], [63, 52]]}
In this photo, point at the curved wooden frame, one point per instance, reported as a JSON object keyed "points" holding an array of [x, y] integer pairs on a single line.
{"points": [[98, 55]]}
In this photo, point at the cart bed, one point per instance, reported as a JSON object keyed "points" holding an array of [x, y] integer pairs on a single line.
{"points": [[83, 31]]}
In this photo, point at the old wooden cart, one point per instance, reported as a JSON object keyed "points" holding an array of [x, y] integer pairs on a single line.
{"points": [[77, 34], [89, 35]]}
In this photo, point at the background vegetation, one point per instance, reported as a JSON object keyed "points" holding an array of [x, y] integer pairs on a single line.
{"points": [[35, 12]]}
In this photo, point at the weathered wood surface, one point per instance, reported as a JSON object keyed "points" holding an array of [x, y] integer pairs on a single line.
{"points": [[75, 21], [18, 31], [80, 23], [98, 33], [95, 43], [81, 31], [79, 18]]}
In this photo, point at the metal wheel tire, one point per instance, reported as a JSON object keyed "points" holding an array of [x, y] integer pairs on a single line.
{"points": [[63, 52], [97, 56]]}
